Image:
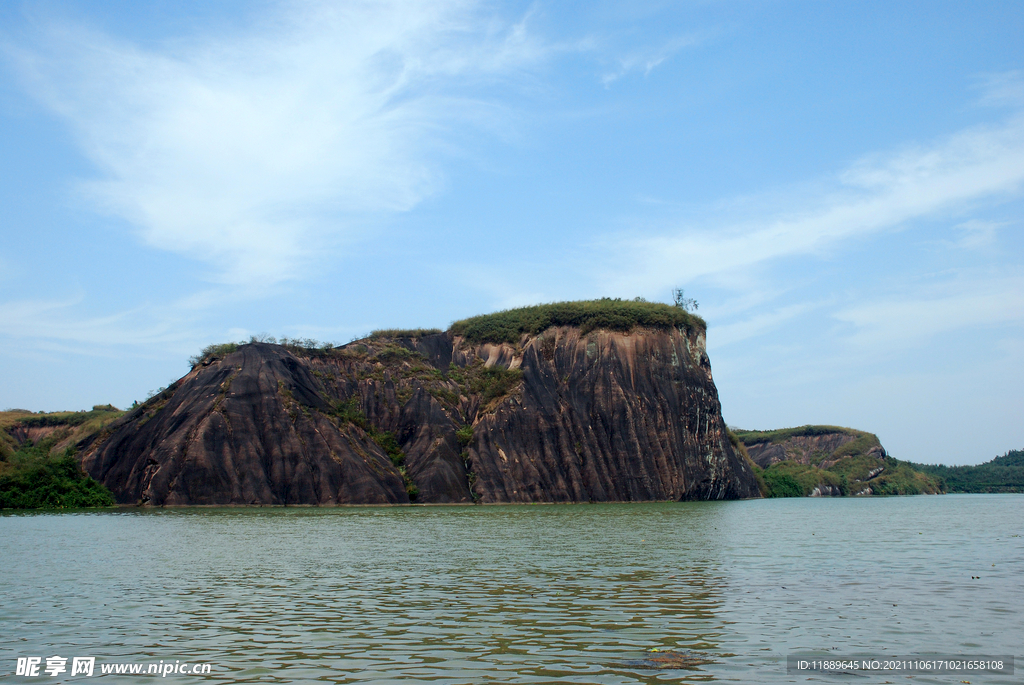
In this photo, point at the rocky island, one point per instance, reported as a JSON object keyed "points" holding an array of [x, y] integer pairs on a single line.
{"points": [[604, 400], [594, 401]]}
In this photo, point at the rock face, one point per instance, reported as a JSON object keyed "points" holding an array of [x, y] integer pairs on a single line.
{"points": [[558, 417], [821, 450], [830, 461]]}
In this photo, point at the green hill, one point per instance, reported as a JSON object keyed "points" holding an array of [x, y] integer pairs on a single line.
{"points": [[1002, 474], [829, 460]]}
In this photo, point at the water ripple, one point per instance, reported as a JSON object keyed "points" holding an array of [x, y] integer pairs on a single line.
{"points": [[528, 594]]}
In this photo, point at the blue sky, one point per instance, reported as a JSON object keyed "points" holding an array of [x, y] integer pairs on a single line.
{"points": [[839, 186]]}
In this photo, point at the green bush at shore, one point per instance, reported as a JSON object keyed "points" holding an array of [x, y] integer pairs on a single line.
{"points": [[35, 480], [847, 477]]}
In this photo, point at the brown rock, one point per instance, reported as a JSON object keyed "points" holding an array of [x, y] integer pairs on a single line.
{"points": [[558, 417], [818, 450]]}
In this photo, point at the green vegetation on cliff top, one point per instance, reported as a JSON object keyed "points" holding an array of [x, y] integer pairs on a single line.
{"points": [[384, 333], [507, 326], [65, 427], [749, 437], [613, 314], [848, 476]]}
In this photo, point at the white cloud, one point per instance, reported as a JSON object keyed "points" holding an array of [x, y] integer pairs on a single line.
{"points": [[977, 234], [759, 324], [878, 193], [908, 320], [1006, 88], [59, 320], [646, 60], [250, 152]]}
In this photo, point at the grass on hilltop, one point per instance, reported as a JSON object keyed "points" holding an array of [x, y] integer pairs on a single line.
{"points": [[302, 346], [71, 426], [751, 437], [505, 326], [402, 333], [614, 314]]}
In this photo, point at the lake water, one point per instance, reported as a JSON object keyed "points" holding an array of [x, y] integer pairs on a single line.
{"points": [[517, 594]]}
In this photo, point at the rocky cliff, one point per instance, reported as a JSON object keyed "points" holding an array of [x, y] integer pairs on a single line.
{"points": [[829, 461], [563, 414], [821, 446]]}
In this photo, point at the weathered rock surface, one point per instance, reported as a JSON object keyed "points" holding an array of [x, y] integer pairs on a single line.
{"points": [[830, 461], [247, 429], [824, 490], [819, 450], [558, 417]]}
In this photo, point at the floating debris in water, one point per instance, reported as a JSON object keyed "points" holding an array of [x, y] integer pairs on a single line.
{"points": [[689, 661]]}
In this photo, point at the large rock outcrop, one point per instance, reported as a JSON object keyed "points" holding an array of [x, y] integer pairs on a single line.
{"points": [[818, 447], [830, 461], [560, 416]]}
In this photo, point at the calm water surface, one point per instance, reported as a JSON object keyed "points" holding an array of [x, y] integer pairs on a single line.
{"points": [[517, 594]]}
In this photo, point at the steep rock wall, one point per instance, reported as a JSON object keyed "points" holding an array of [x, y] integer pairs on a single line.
{"points": [[608, 416], [558, 417]]}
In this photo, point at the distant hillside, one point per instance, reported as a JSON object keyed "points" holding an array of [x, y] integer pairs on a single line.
{"points": [[829, 461], [38, 466], [1002, 474]]}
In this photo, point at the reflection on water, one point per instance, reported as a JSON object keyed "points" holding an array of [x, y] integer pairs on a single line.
{"points": [[516, 594]]}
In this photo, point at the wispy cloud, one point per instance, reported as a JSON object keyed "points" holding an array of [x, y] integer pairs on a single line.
{"points": [[182, 325], [251, 152], [976, 233], [647, 59], [970, 300], [878, 193], [1005, 88], [756, 325], [60, 322]]}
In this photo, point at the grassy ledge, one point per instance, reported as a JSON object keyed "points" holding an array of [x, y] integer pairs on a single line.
{"points": [[389, 333], [614, 314], [749, 437]]}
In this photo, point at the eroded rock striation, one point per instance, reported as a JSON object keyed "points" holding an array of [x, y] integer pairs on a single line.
{"points": [[563, 415], [823, 449]]}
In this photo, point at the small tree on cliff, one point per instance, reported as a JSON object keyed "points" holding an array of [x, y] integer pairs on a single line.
{"points": [[679, 299]]}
